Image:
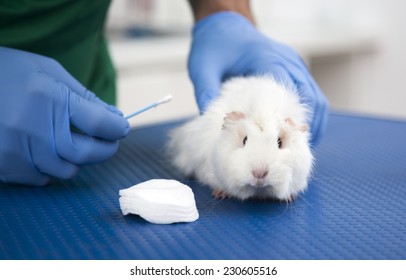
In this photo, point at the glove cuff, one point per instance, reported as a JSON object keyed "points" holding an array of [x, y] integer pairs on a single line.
{"points": [[224, 17]]}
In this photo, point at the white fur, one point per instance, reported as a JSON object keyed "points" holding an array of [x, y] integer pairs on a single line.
{"points": [[212, 149]]}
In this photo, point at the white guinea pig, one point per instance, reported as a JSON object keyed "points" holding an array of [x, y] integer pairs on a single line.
{"points": [[252, 142]]}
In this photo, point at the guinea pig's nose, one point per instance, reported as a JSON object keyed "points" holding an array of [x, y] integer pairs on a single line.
{"points": [[259, 173]]}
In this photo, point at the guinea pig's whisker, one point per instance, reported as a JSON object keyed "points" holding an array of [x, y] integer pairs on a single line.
{"points": [[308, 203], [215, 201]]}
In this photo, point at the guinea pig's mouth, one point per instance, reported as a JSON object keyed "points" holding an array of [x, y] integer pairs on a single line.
{"points": [[260, 183], [259, 190], [260, 186]]}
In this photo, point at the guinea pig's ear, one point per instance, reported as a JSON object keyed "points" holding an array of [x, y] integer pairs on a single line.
{"points": [[302, 127], [232, 118]]}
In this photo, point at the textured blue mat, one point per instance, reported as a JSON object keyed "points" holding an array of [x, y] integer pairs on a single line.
{"points": [[354, 209]]}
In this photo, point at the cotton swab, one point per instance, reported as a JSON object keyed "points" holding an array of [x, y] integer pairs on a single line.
{"points": [[153, 105]]}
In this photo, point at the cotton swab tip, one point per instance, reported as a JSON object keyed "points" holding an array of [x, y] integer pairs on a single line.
{"points": [[153, 105], [165, 99]]}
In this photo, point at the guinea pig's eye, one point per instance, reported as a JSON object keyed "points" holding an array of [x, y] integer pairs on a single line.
{"points": [[279, 142], [244, 140]]}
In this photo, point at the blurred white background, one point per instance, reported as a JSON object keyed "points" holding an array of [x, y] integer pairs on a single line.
{"points": [[355, 49]]}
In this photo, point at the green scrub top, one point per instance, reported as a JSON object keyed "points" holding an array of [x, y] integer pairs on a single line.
{"points": [[70, 31]]}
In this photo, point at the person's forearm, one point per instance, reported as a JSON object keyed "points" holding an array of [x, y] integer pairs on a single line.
{"points": [[203, 8]]}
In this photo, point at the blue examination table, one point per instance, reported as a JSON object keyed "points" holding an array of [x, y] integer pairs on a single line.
{"points": [[354, 208]]}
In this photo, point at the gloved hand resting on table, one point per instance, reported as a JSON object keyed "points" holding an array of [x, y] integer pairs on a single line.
{"points": [[226, 44], [39, 104]]}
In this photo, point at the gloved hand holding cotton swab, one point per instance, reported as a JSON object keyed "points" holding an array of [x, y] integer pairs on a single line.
{"points": [[153, 105]]}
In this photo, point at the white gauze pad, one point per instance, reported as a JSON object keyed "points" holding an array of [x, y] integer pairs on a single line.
{"points": [[160, 201]]}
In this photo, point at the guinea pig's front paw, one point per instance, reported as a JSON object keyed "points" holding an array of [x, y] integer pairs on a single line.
{"points": [[291, 198], [219, 194]]}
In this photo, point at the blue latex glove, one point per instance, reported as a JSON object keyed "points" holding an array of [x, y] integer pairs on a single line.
{"points": [[226, 44], [39, 103]]}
